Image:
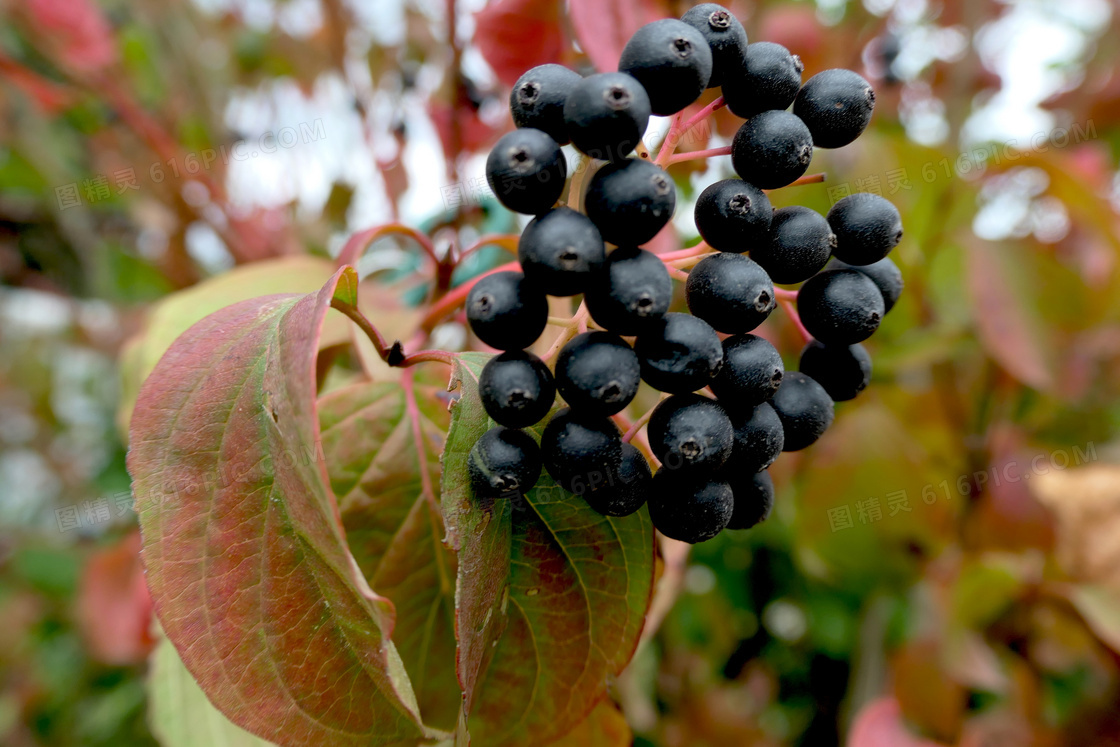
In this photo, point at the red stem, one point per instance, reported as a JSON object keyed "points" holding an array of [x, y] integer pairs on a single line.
{"points": [[788, 307], [698, 154], [443, 307], [357, 244]]}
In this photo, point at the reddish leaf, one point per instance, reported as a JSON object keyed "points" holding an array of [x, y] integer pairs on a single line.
{"points": [[114, 605], [604, 26], [515, 35], [244, 552], [78, 31], [879, 724]]}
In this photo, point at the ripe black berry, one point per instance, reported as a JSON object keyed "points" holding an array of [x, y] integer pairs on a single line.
{"points": [[836, 106], [843, 370], [759, 438], [752, 371], [597, 373], [799, 245], [503, 463], [632, 290], [730, 292], [733, 215], [561, 251], [526, 170], [630, 201], [671, 60], [537, 99], [772, 149], [867, 227], [580, 450], [516, 389], [606, 115], [726, 38], [804, 408], [625, 492], [771, 81], [840, 307], [754, 499], [679, 353], [688, 510], [506, 312], [691, 432], [884, 273]]}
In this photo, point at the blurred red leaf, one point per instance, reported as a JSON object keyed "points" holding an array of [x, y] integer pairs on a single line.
{"points": [[78, 30], [603, 27], [879, 724], [515, 35], [114, 606]]}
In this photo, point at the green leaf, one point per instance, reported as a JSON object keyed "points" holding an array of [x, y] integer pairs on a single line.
{"points": [[550, 599], [245, 553]]}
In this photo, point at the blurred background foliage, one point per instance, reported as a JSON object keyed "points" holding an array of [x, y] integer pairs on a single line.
{"points": [[940, 569]]}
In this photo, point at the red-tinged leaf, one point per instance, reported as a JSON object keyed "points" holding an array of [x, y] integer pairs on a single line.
{"points": [[550, 599], [605, 727], [114, 605], [245, 555], [382, 443], [928, 698], [515, 35], [603, 27], [879, 724], [77, 29]]}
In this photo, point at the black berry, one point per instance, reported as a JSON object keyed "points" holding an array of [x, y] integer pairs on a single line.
{"points": [[630, 201], [516, 389], [679, 353], [843, 370], [526, 171], [884, 273], [580, 450], [691, 432], [772, 149], [771, 81], [538, 96], [503, 463], [624, 492], [632, 290], [726, 38], [561, 251], [733, 215], [672, 60], [754, 499], [804, 408], [759, 438], [840, 307], [836, 106], [597, 373], [799, 245], [506, 312], [689, 510], [752, 371], [867, 227], [606, 115], [730, 292]]}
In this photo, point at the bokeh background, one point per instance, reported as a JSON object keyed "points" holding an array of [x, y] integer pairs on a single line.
{"points": [[943, 567]]}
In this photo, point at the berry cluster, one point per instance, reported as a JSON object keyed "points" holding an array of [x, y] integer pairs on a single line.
{"points": [[714, 452]]}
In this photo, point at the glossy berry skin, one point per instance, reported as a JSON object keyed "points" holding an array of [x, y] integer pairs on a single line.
{"points": [[606, 115], [503, 463], [630, 201], [771, 81], [884, 273], [733, 215], [752, 371], [836, 106], [561, 252], [730, 292], [759, 439], [597, 373], [506, 312], [726, 38], [580, 451], [671, 60], [680, 353], [632, 290], [689, 510], [689, 432], [626, 491], [772, 149], [805, 409], [754, 499], [516, 389], [537, 99], [843, 370], [867, 227], [526, 171], [840, 307], [798, 246]]}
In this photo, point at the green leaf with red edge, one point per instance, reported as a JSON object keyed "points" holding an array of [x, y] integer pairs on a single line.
{"points": [[551, 596], [382, 442], [244, 551]]}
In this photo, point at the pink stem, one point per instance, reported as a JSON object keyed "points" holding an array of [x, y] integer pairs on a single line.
{"points": [[788, 307], [703, 114], [698, 154], [693, 251], [670, 143], [781, 293]]}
